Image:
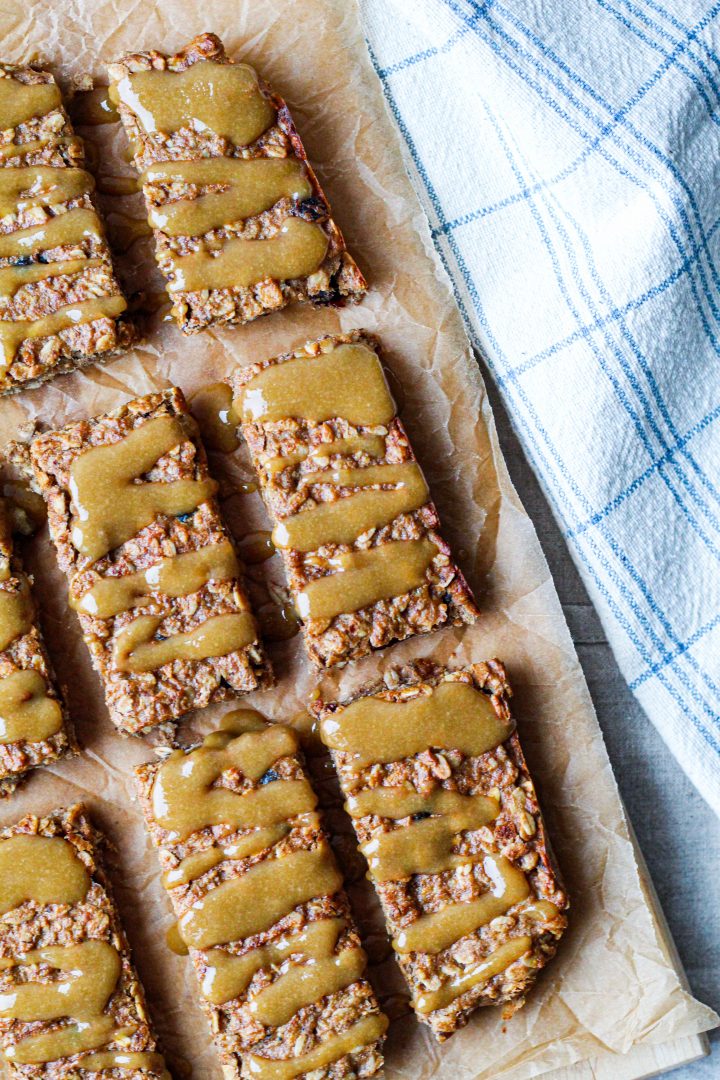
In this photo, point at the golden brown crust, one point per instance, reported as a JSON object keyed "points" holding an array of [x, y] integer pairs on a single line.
{"points": [[139, 701], [518, 833], [39, 359], [445, 599], [32, 926], [338, 279], [237, 1032], [27, 652]]}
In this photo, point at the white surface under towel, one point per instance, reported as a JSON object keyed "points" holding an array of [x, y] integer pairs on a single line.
{"points": [[567, 154]]}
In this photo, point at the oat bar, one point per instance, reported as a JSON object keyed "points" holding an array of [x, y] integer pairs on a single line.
{"points": [[70, 1000], [60, 304], [34, 726], [446, 814], [354, 521], [241, 225], [152, 570], [261, 907]]}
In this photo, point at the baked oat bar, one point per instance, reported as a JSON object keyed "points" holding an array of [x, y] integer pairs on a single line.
{"points": [[354, 521], [34, 725], [71, 1004], [261, 907], [60, 303], [241, 224], [447, 816], [152, 570]]}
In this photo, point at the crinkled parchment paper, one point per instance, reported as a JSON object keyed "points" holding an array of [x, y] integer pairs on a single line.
{"points": [[611, 986]]}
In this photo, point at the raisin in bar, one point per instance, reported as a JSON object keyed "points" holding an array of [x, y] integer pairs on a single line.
{"points": [[354, 521], [260, 905], [70, 1000], [60, 304], [34, 727], [152, 570], [241, 224], [446, 814]]}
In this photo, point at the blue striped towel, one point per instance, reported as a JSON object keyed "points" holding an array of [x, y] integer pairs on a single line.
{"points": [[567, 153]]}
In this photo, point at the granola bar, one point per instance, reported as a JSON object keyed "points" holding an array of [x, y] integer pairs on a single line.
{"points": [[34, 726], [71, 1003], [152, 570], [241, 224], [447, 816], [61, 306], [354, 521], [260, 905]]}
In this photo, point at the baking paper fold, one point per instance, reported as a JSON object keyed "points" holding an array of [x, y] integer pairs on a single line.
{"points": [[612, 986]]}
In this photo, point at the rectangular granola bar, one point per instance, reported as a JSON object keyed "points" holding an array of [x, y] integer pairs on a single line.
{"points": [[152, 570], [354, 520], [261, 907], [70, 999], [447, 816], [241, 224], [60, 303], [34, 726]]}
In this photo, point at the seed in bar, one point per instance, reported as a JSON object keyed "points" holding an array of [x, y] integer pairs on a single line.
{"points": [[34, 727], [70, 1000], [353, 517], [261, 907], [60, 303], [446, 814], [152, 570], [241, 224]]}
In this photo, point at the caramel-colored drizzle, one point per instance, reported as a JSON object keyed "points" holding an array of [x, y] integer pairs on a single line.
{"points": [[109, 506], [27, 713], [135, 650], [12, 334], [222, 99], [47, 871], [250, 188], [118, 185], [386, 491], [41, 185], [347, 381], [332, 1048], [425, 846], [256, 547], [93, 968], [364, 577], [187, 798], [72, 227], [296, 251], [91, 108], [322, 972], [251, 904], [16, 612], [119, 1059], [20, 102], [212, 407], [16, 276], [176, 575], [454, 716], [428, 827]]}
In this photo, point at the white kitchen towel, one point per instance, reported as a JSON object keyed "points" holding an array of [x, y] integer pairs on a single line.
{"points": [[567, 153]]}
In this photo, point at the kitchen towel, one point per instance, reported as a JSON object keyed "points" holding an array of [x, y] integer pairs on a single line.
{"points": [[567, 153]]}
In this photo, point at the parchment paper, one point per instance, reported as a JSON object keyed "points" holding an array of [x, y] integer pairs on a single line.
{"points": [[611, 987]]}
